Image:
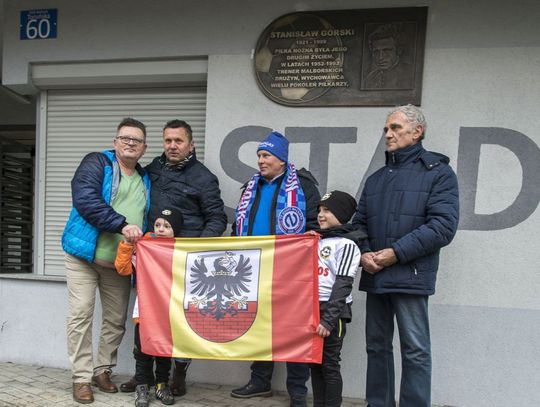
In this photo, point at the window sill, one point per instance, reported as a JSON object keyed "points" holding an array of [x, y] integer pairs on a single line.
{"points": [[32, 277]]}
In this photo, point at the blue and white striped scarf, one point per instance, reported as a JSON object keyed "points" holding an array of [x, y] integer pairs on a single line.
{"points": [[290, 205]]}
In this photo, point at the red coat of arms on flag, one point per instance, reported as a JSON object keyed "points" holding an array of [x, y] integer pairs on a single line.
{"points": [[220, 301]]}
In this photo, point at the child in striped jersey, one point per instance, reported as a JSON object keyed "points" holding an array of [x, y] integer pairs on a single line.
{"points": [[339, 259]]}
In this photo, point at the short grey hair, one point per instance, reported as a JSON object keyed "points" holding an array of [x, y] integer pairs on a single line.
{"points": [[414, 116]]}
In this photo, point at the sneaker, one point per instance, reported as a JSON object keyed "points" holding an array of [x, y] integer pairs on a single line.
{"points": [[163, 393], [252, 390], [298, 401], [142, 397]]}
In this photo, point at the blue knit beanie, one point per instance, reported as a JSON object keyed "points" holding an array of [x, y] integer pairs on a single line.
{"points": [[276, 144]]}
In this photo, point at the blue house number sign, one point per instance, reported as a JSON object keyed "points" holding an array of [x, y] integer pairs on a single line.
{"points": [[38, 24]]}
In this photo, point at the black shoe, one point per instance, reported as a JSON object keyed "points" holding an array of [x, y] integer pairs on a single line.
{"points": [[129, 386], [163, 393], [252, 390], [298, 401], [142, 398], [178, 385]]}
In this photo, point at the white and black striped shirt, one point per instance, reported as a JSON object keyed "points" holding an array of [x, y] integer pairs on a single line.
{"points": [[338, 256]]}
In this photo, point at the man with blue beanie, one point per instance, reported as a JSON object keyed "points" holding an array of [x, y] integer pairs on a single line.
{"points": [[277, 145], [277, 200]]}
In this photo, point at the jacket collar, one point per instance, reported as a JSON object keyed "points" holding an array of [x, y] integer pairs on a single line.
{"points": [[111, 155], [404, 155], [347, 230], [163, 161]]}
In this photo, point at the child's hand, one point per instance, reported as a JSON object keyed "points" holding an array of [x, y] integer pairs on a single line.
{"points": [[322, 331]]}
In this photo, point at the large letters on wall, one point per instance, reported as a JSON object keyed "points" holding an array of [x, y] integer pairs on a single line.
{"points": [[469, 155], [527, 152]]}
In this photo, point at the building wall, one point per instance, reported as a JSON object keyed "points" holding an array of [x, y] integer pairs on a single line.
{"points": [[13, 111], [480, 95]]}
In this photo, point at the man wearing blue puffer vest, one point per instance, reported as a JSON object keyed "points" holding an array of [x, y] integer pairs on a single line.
{"points": [[409, 209], [111, 199]]}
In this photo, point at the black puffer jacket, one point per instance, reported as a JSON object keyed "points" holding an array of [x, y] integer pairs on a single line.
{"points": [[194, 190]]}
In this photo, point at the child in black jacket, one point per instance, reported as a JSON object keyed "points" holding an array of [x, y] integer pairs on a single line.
{"points": [[339, 258]]}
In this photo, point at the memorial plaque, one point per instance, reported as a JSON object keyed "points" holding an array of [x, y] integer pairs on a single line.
{"points": [[368, 57]]}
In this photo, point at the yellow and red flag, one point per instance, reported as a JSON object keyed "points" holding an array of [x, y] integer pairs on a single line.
{"points": [[231, 298]]}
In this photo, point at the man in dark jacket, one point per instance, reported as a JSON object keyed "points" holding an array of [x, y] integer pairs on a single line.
{"points": [[180, 180], [111, 198], [409, 209], [277, 200]]}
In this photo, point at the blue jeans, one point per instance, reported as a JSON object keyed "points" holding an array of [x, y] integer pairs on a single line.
{"points": [[297, 376], [411, 312]]}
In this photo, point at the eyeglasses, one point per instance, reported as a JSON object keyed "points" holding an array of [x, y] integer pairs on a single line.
{"points": [[128, 140]]}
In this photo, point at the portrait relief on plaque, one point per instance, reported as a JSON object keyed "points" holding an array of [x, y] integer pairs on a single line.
{"points": [[367, 57], [388, 56]]}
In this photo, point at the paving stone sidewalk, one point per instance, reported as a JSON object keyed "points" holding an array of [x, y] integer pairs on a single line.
{"points": [[35, 386]]}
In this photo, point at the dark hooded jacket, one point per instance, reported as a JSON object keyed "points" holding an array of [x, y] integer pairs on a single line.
{"points": [[194, 190], [412, 206]]}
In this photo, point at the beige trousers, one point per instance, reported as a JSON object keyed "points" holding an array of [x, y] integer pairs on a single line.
{"points": [[83, 279]]}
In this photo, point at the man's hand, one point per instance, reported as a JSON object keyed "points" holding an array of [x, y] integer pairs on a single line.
{"points": [[367, 263], [131, 233], [322, 331], [385, 257]]}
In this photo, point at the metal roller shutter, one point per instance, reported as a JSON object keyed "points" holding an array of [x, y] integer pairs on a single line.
{"points": [[81, 121]]}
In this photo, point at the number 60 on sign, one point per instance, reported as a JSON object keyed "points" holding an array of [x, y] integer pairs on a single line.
{"points": [[38, 24]]}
